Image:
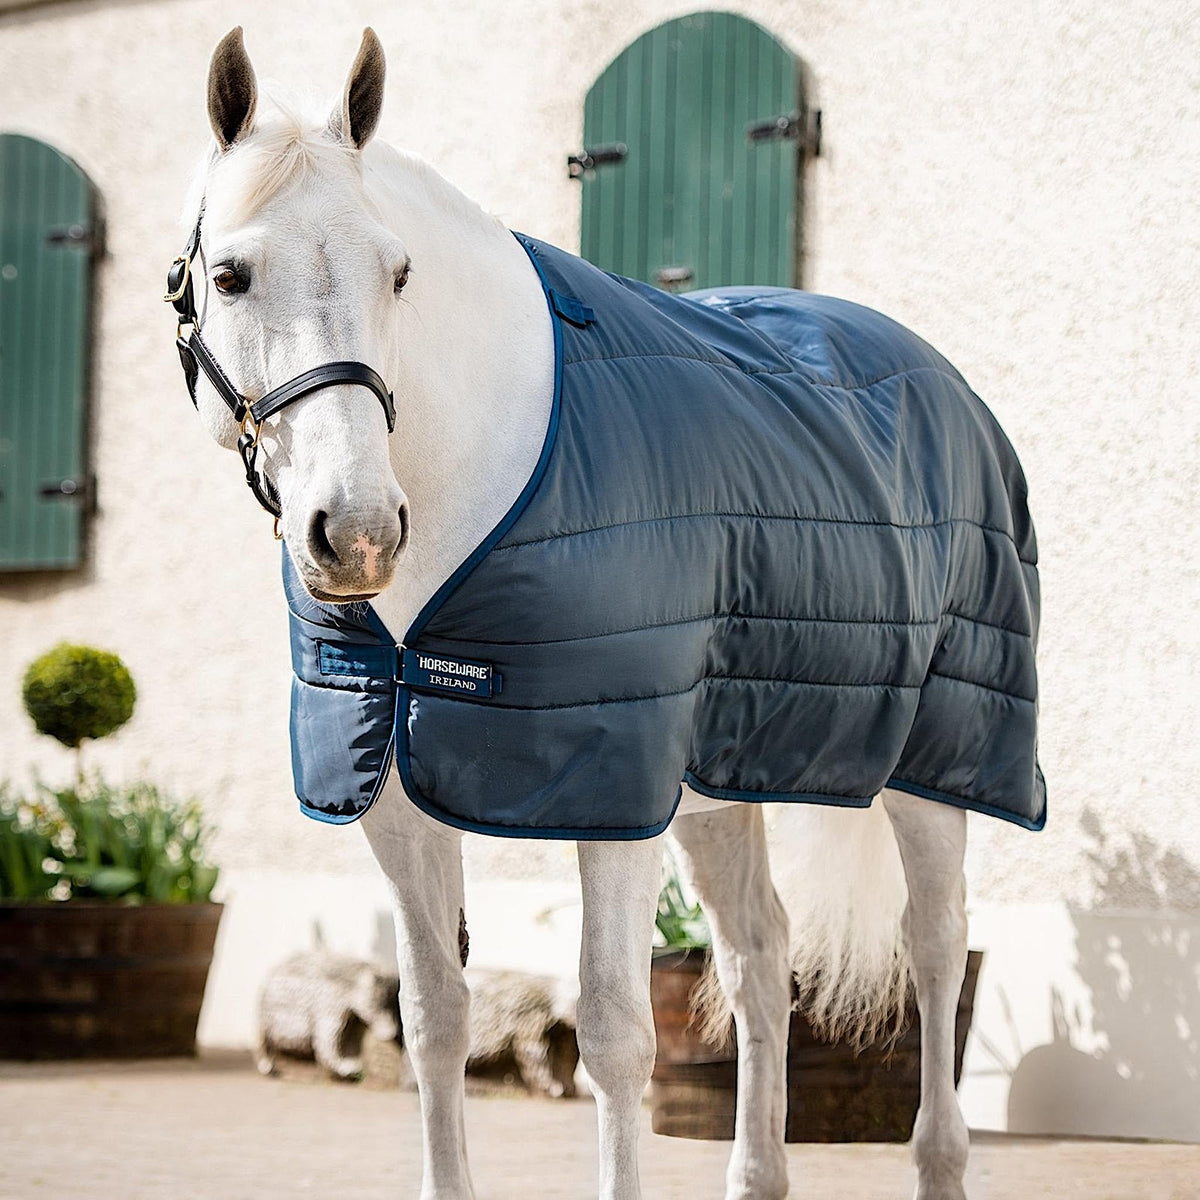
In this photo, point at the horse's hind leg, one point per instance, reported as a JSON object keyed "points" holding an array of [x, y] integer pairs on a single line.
{"points": [[615, 1024], [726, 854], [932, 838]]}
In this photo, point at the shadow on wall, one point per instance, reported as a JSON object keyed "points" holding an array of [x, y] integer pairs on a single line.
{"points": [[1131, 1065]]}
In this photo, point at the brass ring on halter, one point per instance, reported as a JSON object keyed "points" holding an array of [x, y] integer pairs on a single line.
{"points": [[254, 426]]}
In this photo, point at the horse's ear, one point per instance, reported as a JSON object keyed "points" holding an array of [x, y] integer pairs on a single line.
{"points": [[232, 91], [363, 101]]}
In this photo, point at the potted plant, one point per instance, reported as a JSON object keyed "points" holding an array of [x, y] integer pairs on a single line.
{"points": [[836, 1092], [693, 1087], [106, 927], [678, 966]]}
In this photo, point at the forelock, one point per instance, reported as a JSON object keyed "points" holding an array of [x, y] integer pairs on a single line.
{"points": [[284, 146]]}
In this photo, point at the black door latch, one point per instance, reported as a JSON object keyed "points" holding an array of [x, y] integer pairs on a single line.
{"points": [[83, 490], [804, 128], [595, 156]]}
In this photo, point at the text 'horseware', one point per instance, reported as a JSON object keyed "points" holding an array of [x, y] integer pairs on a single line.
{"points": [[774, 547]]}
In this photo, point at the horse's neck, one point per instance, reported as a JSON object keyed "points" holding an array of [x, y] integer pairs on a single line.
{"points": [[475, 381]]}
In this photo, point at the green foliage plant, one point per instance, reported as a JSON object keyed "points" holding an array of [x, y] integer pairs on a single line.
{"points": [[99, 842], [25, 850], [681, 923], [74, 693]]}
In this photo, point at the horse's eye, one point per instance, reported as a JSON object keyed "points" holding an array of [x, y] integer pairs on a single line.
{"points": [[402, 279], [229, 282]]}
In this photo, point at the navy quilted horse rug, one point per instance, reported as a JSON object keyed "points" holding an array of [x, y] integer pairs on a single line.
{"points": [[774, 547]]}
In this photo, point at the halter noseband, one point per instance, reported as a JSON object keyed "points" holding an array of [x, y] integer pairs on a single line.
{"points": [[195, 356]]}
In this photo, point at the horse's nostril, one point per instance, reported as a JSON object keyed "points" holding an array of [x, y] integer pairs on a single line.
{"points": [[319, 545]]}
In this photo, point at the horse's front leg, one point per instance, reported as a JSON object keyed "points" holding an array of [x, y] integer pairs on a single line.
{"points": [[422, 860], [932, 838], [615, 1025], [726, 857]]}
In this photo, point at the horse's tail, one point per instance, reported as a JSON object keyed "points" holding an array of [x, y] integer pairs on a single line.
{"points": [[839, 875]]}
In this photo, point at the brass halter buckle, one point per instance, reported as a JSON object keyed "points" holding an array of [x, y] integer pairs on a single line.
{"points": [[172, 297]]}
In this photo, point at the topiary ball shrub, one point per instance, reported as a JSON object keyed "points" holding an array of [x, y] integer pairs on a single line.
{"points": [[76, 692]]}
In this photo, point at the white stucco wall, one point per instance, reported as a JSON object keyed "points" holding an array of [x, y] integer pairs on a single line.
{"points": [[1015, 182]]}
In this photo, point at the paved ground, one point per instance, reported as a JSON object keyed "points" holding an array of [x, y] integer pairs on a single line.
{"points": [[213, 1130]]}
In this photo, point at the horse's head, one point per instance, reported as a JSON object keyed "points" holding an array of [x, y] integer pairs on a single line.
{"points": [[301, 272]]}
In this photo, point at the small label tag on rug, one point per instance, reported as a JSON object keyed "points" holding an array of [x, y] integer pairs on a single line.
{"points": [[456, 676]]}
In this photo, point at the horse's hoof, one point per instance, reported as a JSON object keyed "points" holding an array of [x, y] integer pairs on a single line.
{"points": [[758, 1184], [942, 1191]]}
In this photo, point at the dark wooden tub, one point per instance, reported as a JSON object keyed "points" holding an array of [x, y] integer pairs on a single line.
{"points": [[834, 1094], [86, 979]]}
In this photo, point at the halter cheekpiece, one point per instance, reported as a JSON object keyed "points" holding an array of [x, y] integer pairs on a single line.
{"points": [[195, 356]]}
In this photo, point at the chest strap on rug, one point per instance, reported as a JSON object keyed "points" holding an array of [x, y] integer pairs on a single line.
{"points": [[346, 658], [429, 672]]}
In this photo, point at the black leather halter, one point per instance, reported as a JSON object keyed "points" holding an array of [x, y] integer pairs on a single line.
{"points": [[195, 356]]}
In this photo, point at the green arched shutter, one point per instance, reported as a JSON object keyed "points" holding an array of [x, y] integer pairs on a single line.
{"points": [[695, 202], [46, 235]]}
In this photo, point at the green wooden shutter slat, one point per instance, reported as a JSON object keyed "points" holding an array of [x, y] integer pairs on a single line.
{"points": [[744, 103], [658, 121], [629, 177], [703, 203], [767, 246], [688, 126], [8, 333], [639, 259], [780, 84], [766, 243], [620, 89], [721, 140], [44, 313]]}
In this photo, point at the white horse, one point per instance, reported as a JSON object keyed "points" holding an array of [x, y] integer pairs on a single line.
{"points": [[320, 248]]}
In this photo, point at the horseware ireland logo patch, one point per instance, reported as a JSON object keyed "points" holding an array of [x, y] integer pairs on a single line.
{"points": [[459, 676]]}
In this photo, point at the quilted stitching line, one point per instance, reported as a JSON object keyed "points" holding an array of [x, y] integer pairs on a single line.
{"points": [[727, 365], [701, 619], [894, 687], [792, 517], [987, 687]]}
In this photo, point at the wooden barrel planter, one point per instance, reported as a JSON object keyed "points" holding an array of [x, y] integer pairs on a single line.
{"points": [[693, 1088], [82, 979], [834, 1094]]}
